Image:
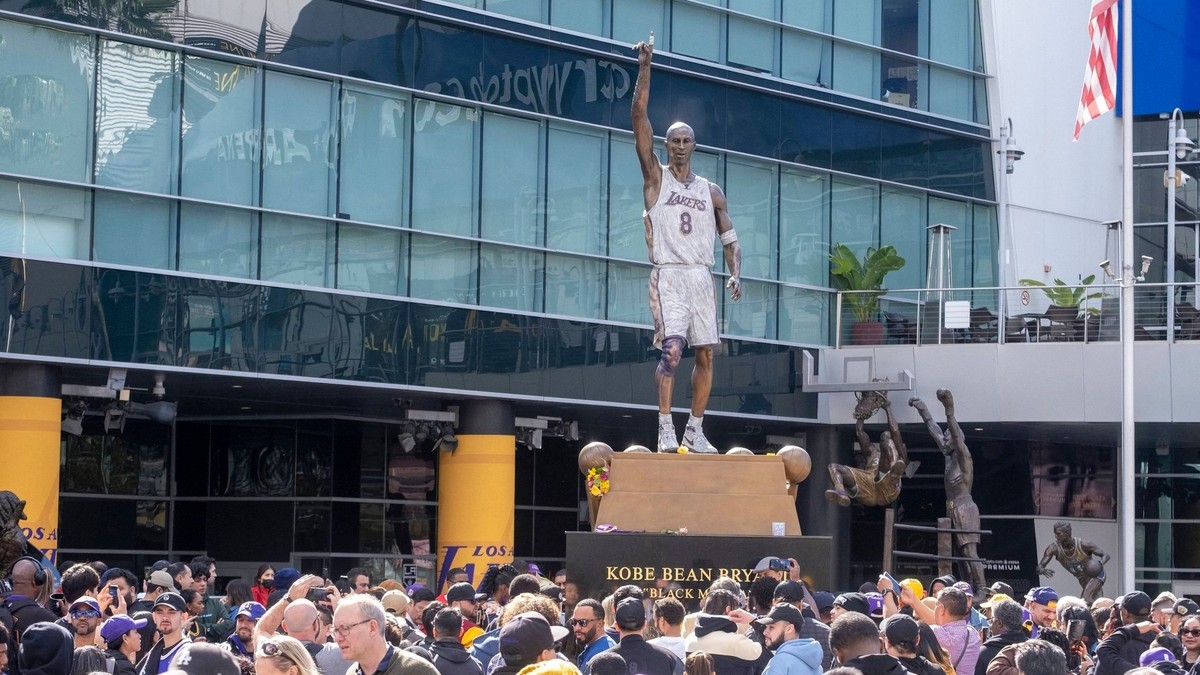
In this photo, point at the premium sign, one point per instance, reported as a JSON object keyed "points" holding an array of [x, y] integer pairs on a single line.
{"points": [[683, 566]]}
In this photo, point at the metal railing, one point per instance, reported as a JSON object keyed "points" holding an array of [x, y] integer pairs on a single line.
{"points": [[1012, 314]]}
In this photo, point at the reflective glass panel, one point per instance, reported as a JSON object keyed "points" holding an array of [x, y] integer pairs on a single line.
{"points": [[903, 226], [218, 241], [856, 70], [634, 20], [626, 230], [530, 10], [443, 190], [952, 31], [371, 259], [46, 80], [950, 93], [806, 58], [312, 526], [752, 43], [44, 221], [576, 191], [585, 16], [511, 207], [855, 215], [751, 196], [137, 138], [122, 219], [296, 250], [803, 227], [696, 31], [220, 131], [984, 260], [374, 156], [510, 278], [803, 315], [629, 293], [755, 314], [298, 146], [443, 269], [574, 286]]}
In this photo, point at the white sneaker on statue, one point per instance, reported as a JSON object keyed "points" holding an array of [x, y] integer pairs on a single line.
{"points": [[694, 441], [667, 440]]}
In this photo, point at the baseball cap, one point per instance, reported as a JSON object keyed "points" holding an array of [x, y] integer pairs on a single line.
{"points": [[789, 591], [995, 598], [203, 658], [1185, 607], [782, 612], [86, 601], [630, 614], [460, 592], [119, 625], [875, 604], [251, 609], [1136, 603], [965, 588], [172, 600], [527, 635], [853, 602], [900, 628], [1044, 595], [999, 587], [764, 565], [915, 586], [395, 601], [945, 580], [551, 591], [285, 577], [1152, 656], [161, 578], [824, 600]]}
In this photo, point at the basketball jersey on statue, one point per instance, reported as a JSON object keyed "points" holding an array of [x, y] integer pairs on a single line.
{"points": [[683, 222]]}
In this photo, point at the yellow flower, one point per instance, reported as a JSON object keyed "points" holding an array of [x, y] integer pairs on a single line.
{"points": [[682, 450]]}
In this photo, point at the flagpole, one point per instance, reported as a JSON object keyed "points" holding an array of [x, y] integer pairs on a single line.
{"points": [[1126, 466]]}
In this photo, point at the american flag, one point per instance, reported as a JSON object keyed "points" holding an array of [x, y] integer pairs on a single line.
{"points": [[1100, 79]]}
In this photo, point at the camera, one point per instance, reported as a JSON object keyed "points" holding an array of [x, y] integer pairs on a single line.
{"points": [[317, 595], [780, 565]]}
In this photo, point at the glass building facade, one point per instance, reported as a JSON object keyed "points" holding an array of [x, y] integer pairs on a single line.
{"points": [[445, 199]]}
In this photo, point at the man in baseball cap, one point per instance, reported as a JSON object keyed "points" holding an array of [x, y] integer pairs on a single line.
{"points": [[243, 640], [850, 602], [169, 616], [998, 587], [85, 619], [462, 597], [527, 639], [1120, 651], [1180, 611], [1041, 603], [794, 654]]}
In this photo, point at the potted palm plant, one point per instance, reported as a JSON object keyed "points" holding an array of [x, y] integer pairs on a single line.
{"points": [[849, 273]]}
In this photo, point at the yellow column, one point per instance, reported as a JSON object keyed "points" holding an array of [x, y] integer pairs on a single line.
{"points": [[30, 429], [477, 492]]}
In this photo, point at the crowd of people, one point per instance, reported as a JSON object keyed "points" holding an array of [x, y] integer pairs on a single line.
{"points": [[514, 622]]}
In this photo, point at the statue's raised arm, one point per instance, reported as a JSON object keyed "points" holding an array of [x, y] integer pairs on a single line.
{"points": [[643, 133]]}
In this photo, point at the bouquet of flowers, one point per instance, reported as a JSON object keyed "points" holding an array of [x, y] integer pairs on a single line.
{"points": [[597, 481]]}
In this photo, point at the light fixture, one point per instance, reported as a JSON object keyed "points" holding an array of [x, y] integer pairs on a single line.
{"points": [[1183, 144], [1107, 267], [1146, 260], [114, 418], [162, 412], [159, 390], [1012, 152]]}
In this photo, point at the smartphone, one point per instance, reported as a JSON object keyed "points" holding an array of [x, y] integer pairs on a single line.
{"points": [[1075, 629], [780, 565], [112, 590], [892, 580]]}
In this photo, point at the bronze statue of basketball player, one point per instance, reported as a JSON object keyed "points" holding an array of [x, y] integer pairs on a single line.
{"points": [[1076, 557], [684, 215], [877, 482], [959, 477]]}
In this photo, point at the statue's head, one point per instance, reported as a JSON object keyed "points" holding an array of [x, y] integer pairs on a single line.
{"points": [[681, 141], [1062, 530]]}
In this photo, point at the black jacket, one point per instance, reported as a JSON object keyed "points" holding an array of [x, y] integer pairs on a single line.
{"points": [[121, 665], [643, 658], [919, 665], [877, 664], [1120, 652], [450, 657], [993, 645]]}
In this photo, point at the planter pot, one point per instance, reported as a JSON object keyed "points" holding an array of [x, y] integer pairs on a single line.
{"points": [[867, 333]]}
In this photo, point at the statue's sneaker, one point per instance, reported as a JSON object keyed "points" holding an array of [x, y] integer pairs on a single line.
{"points": [[667, 440], [694, 441]]}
